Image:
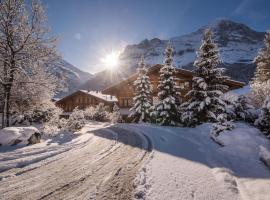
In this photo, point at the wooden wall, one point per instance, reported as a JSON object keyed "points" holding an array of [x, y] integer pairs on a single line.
{"points": [[125, 91], [80, 100]]}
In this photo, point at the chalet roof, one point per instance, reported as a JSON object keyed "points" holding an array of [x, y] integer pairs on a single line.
{"points": [[178, 70], [100, 95], [97, 94]]}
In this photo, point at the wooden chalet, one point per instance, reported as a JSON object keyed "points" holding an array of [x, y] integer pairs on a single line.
{"points": [[124, 91], [83, 99]]}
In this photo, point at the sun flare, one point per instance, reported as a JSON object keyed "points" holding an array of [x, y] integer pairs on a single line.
{"points": [[111, 60]]}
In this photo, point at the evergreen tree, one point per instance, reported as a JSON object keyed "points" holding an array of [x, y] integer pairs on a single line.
{"points": [[140, 112], [166, 111], [221, 125], [263, 122], [205, 101], [262, 61], [243, 110], [260, 85]]}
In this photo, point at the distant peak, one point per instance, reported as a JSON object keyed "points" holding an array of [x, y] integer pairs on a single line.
{"points": [[226, 23]]}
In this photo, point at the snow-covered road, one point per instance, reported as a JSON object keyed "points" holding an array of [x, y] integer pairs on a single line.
{"points": [[140, 161], [98, 165]]}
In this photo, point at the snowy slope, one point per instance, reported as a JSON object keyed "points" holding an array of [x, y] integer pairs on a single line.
{"points": [[237, 42], [73, 76]]}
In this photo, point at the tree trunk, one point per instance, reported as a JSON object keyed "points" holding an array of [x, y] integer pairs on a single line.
{"points": [[3, 117], [7, 106]]}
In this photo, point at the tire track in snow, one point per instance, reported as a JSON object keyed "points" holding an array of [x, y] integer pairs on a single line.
{"points": [[104, 168]]}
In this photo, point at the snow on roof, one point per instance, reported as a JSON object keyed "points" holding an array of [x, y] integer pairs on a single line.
{"points": [[100, 95]]}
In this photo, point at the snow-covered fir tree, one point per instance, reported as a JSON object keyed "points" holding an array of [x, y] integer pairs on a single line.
{"points": [[263, 122], [262, 61], [260, 85], [167, 111], [140, 112], [205, 101]]}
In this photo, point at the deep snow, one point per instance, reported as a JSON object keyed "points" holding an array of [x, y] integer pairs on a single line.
{"points": [[184, 164], [187, 164]]}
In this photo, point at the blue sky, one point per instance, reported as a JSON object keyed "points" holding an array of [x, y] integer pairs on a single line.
{"points": [[90, 29]]}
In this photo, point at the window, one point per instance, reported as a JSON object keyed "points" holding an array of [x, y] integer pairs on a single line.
{"points": [[186, 84]]}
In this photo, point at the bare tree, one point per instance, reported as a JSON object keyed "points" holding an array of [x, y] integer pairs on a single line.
{"points": [[25, 45]]}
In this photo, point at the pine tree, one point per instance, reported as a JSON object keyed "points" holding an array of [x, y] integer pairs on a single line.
{"points": [[260, 85], [263, 122], [140, 112], [205, 101], [167, 111], [243, 110], [262, 61]]}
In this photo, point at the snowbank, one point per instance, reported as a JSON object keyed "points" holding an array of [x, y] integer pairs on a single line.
{"points": [[265, 156], [188, 164], [14, 135]]}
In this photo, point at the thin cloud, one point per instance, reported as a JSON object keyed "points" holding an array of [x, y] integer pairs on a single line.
{"points": [[249, 8]]}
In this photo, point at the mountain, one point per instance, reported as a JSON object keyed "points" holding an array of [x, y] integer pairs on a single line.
{"points": [[72, 76], [238, 45]]}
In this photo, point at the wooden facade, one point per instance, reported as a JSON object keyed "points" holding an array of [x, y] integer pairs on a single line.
{"points": [[83, 99], [124, 91]]}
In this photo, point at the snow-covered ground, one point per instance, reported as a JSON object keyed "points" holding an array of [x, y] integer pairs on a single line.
{"points": [[141, 161], [187, 164]]}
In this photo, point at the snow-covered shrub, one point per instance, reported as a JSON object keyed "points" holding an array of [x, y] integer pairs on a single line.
{"points": [[263, 122], [115, 116], [222, 125], [39, 113], [89, 113], [76, 120], [101, 113]]}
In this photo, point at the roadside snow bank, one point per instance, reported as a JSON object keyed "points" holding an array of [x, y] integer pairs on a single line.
{"points": [[15, 135], [265, 156], [187, 164]]}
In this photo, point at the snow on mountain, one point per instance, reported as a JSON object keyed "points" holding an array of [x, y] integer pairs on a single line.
{"points": [[73, 76], [238, 44]]}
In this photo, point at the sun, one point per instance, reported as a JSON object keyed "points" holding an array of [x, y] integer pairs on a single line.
{"points": [[111, 60]]}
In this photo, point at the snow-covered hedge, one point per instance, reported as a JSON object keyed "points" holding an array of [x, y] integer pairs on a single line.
{"points": [[99, 113], [39, 113], [76, 120], [15, 135]]}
